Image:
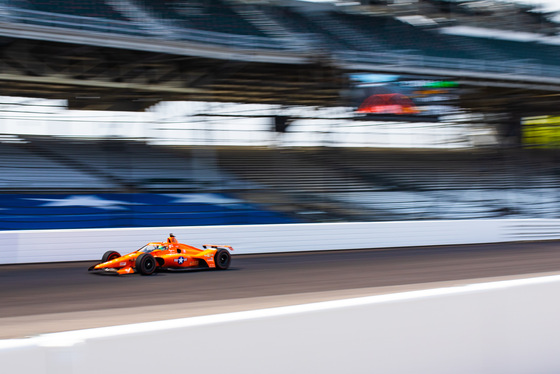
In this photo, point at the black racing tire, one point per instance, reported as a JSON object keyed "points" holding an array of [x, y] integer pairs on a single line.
{"points": [[222, 259], [146, 264], [110, 255]]}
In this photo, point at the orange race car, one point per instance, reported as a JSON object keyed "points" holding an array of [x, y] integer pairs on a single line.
{"points": [[165, 255]]}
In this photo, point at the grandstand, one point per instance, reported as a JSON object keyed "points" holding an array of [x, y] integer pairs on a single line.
{"points": [[271, 185], [375, 184], [133, 54], [141, 52]]}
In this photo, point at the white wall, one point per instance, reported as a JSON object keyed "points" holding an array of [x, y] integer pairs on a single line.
{"points": [[89, 244], [508, 327]]}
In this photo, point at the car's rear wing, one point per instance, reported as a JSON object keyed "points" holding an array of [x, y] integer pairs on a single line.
{"points": [[228, 247]]}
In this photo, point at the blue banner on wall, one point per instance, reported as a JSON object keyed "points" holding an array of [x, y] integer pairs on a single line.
{"points": [[33, 212]]}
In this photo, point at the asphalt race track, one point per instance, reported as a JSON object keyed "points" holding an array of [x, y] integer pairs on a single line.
{"points": [[42, 298]]}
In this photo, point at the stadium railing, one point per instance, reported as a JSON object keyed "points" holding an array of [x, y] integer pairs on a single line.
{"points": [[36, 17]]}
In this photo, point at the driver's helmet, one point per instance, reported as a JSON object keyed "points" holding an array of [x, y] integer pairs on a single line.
{"points": [[171, 238]]}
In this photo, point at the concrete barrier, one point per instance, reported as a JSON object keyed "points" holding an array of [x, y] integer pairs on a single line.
{"points": [[89, 244], [508, 327]]}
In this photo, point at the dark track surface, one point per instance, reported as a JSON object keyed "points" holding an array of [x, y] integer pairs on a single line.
{"points": [[27, 290]]}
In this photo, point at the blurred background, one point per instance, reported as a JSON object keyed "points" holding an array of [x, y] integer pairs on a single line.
{"points": [[144, 113]]}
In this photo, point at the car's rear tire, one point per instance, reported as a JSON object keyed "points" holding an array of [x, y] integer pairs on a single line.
{"points": [[110, 255], [222, 259], [145, 264]]}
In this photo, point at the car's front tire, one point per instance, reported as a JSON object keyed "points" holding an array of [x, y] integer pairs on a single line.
{"points": [[110, 255], [145, 264], [222, 259]]}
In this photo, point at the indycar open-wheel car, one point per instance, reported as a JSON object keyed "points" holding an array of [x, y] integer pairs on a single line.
{"points": [[171, 255]]}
